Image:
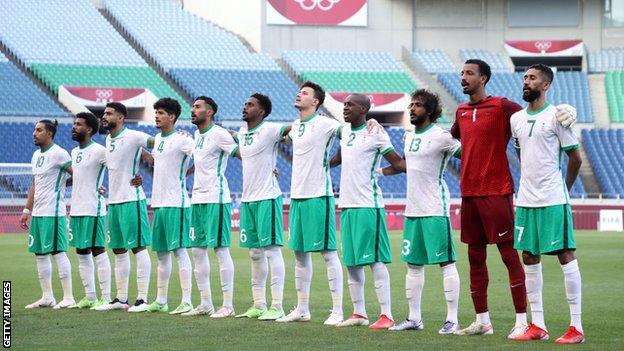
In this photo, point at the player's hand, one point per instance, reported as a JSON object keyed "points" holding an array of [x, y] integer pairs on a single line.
{"points": [[137, 180], [276, 172], [102, 190], [372, 125], [24, 221], [566, 115]]}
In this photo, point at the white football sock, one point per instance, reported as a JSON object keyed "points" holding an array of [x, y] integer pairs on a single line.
{"points": [[162, 279], [450, 282], [64, 272], [334, 278], [356, 279], [144, 270], [44, 272], [572, 279], [278, 271], [104, 275], [184, 270], [303, 280], [483, 318], [202, 275], [381, 277], [259, 273], [122, 275], [226, 272], [534, 285], [414, 283], [85, 268]]}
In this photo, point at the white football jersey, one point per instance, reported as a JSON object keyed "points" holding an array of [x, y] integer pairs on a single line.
{"points": [[88, 164], [312, 140], [123, 153], [212, 148], [542, 141], [258, 150], [427, 153], [49, 168], [172, 153], [361, 154]]}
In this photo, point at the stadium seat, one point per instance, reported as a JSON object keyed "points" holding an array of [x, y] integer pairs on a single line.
{"points": [[497, 61], [609, 59], [435, 61]]}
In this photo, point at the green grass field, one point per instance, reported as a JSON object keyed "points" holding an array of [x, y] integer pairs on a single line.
{"points": [[600, 258]]}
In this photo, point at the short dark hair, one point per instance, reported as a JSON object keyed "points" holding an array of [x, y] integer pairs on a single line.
{"points": [[119, 107], [91, 120], [431, 102], [171, 106], [265, 103], [484, 68], [545, 70], [209, 101], [50, 126], [319, 93]]}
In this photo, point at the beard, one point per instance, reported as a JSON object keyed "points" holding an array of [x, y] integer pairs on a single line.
{"points": [[531, 95], [80, 137]]}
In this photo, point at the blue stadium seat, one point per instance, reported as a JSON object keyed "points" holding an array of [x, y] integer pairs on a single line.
{"points": [[435, 61], [497, 61]]}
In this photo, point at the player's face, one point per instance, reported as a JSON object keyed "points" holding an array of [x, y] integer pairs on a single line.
{"points": [[418, 113], [471, 78], [534, 85], [111, 118], [79, 130], [351, 111], [200, 111], [163, 119], [305, 98], [40, 135], [251, 110]]}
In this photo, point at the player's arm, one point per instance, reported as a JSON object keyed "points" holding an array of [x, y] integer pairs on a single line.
{"points": [[190, 170], [574, 165], [285, 130], [510, 107], [150, 142], [455, 131], [337, 159], [397, 163], [28, 207]]}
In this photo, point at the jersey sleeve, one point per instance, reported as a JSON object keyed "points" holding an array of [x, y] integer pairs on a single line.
{"points": [[509, 107], [188, 144], [227, 143], [333, 127], [383, 144], [513, 123], [63, 159], [141, 139], [567, 137], [450, 144]]}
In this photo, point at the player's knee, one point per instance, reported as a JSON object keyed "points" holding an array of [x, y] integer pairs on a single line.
{"points": [[256, 254], [119, 251], [97, 251], [529, 259], [566, 256]]}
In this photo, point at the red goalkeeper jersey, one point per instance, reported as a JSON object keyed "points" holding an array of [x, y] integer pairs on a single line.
{"points": [[484, 131]]}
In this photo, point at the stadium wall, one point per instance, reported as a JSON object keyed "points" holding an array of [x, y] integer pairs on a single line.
{"points": [[486, 24]]}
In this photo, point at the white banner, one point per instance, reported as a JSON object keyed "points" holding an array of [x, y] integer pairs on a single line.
{"points": [[611, 220]]}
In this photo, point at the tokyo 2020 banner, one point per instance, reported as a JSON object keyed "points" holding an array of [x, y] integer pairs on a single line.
{"points": [[317, 12]]}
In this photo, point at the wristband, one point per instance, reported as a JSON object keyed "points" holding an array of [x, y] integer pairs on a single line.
{"points": [[26, 211], [379, 172]]}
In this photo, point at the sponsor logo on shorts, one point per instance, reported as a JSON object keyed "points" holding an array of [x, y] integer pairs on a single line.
{"points": [[438, 254], [174, 242], [317, 243], [130, 242], [503, 233], [47, 246], [366, 256], [265, 239], [516, 285], [554, 242]]}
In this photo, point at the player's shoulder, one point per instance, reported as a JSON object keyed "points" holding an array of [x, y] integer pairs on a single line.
{"points": [[518, 116]]}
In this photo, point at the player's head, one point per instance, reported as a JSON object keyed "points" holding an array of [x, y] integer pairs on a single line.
{"points": [[114, 115], [355, 108], [537, 79], [475, 75], [311, 95], [203, 108], [44, 132], [425, 105], [166, 112], [257, 106], [85, 125]]}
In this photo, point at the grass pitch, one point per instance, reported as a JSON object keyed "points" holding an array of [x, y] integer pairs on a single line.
{"points": [[600, 259]]}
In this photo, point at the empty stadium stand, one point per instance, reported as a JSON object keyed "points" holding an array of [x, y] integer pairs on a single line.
{"points": [[497, 61], [435, 61], [610, 59], [614, 84], [605, 149]]}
